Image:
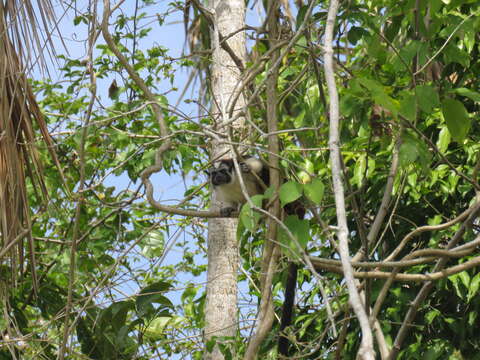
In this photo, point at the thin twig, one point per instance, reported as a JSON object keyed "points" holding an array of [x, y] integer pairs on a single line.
{"points": [[81, 196], [444, 44], [427, 287]]}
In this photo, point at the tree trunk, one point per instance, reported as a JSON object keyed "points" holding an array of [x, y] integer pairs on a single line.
{"points": [[221, 303]]}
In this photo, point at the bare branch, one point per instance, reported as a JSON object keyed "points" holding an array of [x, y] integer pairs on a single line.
{"points": [[425, 228], [409, 277], [366, 350], [427, 287], [81, 186]]}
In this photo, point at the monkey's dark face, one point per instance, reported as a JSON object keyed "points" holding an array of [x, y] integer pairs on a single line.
{"points": [[220, 174]]}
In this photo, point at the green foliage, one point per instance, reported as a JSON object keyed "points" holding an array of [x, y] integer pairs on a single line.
{"points": [[248, 216], [289, 192], [314, 191], [457, 119], [295, 240]]}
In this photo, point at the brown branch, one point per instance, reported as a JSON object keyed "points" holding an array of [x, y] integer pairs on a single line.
{"points": [[271, 251], [425, 228], [384, 205], [409, 277], [411, 259], [458, 250], [427, 287]]}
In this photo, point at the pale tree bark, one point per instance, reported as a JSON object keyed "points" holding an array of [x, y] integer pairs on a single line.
{"points": [[366, 351], [221, 312]]}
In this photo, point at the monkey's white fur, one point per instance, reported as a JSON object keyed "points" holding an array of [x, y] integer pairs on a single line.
{"points": [[230, 193]]}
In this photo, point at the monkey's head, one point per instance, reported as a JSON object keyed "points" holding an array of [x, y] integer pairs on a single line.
{"points": [[221, 173]]}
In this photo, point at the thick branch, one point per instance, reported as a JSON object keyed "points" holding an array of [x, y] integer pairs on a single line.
{"points": [[408, 277], [366, 350]]}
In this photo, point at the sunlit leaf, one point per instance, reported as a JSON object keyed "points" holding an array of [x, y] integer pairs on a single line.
{"points": [[457, 119], [314, 190], [289, 192], [443, 140], [473, 287]]}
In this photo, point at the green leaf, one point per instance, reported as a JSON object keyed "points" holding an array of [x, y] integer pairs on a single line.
{"points": [[300, 229], [453, 54], [301, 15], [457, 119], [473, 287], [189, 293], [375, 48], [349, 104], [443, 140], [248, 216], [79, 19], [427, 98], [359, 170], [153, 244], [119, 313], [431, 315], [153, 294], [465, 278], [372, 85], [380, 96], [408, 153], [414, 152], [314, 191], [211, 344], [156, 328], [408, 106], [289, 192], [456, 284], [355, 34], [472, 316], [472, 95]]}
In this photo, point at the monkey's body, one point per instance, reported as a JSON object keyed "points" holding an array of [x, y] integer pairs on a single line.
{"points": [[228, 190], [226, 183]]}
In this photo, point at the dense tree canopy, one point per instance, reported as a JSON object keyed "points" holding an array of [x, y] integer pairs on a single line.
{"points": [[107, 273]]}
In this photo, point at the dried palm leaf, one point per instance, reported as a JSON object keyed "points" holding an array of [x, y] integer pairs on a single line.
{"points": [[20, 43]]}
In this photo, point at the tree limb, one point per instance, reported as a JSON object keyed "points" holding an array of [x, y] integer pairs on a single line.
{"points": [[366, 350]]}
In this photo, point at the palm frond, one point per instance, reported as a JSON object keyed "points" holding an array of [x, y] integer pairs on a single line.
{"points": [[20, 43]]}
